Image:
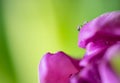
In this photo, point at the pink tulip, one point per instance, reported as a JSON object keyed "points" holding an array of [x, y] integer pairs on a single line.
{"points": [[101, 39]]}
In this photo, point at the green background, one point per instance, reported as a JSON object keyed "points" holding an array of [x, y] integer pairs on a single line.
{"points": [[30, 28]]}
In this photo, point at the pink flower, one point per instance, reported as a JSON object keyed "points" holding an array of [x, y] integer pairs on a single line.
{"points": [[101, 39]]}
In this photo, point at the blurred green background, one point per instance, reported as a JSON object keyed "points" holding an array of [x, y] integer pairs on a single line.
{"points": [[30, 28]]}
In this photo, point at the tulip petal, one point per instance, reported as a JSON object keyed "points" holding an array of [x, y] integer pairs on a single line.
{"points": [[94, 53], [107, 74], [113, 51], [57, 68], [105, 27], [88, 74], [108, 68]]}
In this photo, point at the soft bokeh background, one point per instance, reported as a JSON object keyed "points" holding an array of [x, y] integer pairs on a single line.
{"points": [[30, 28]]}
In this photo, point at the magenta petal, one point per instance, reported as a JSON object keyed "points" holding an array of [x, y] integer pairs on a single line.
{"points": [[105, 27], [112, 52], [107, 70], [89, 74], [107, 74], [94, 54], [57, 68], [95, 47]]}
